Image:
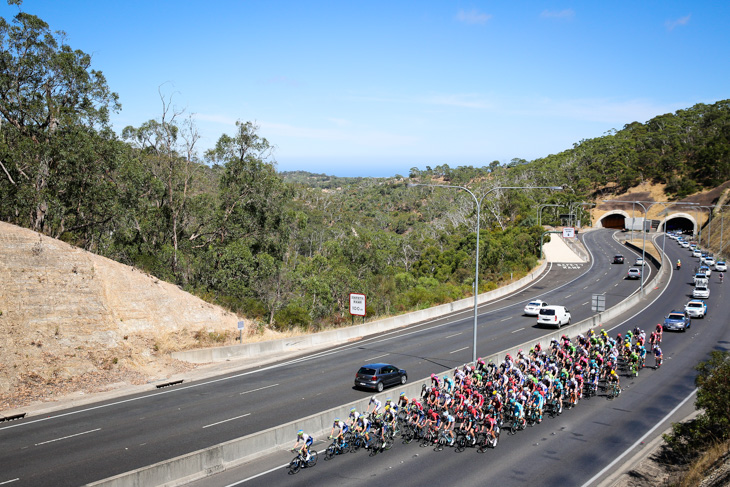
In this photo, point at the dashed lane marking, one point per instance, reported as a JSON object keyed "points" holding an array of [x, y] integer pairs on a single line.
{"points": [[67, 437], [265, 387], [227, 420]]}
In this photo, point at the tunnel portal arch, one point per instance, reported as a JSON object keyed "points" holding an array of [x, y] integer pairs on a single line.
{"points": [[613, 219]]}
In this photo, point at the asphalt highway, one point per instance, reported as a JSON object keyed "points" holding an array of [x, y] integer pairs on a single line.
{"points": [[77, 446], [578, 448]]}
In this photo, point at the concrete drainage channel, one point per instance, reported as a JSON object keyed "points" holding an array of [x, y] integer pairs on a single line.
{"points": [[203, 463]]}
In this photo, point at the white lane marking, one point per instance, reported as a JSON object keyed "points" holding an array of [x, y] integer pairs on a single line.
{"points": [[8, 481], [639, 441], [370, 360], [569, 295], [585, 303], [234, 484], [459, 350], [615, 285], [450, 336], [227, 420], [505, 319], [259, 389], [67, 437], [519, 329]]}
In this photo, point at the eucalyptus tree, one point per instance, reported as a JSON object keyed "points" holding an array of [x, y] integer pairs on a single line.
{"points": [[57, 150]]}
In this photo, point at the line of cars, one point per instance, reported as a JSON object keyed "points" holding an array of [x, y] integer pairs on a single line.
{"points": [[681, 320]]}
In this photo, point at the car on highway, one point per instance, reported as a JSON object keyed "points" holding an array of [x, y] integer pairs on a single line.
{"points": [[701, 292], [705, 270], [696, 308], [685, 245], [378, 376], [533, 307], [696, 252], [554, 315], [701, 279], [709, 260], [634, 273], [618, 259], [639, 261], [720, 266], [677, 321]]}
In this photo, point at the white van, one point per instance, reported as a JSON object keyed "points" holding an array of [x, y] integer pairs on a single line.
{"points": [[554, 316]]}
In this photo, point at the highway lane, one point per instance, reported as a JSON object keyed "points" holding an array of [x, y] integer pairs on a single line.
{"points": [[568, 450], [85, 444]]}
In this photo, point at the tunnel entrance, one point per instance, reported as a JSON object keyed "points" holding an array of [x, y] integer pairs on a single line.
{"points": [[614, 220], [679, 223]]}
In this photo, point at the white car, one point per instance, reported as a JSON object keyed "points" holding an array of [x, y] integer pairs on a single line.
{"points": [[696, 308], [634, 273], [705, 270], [639, 261], [533, 307], [701, 292], [685, 245], [696, 252], [709, 260], [720, 266], [554, 316]]}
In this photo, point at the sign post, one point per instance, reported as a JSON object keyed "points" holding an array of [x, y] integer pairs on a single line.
{"points": [[568, 232], [241, 324], [598, 303], [358, 305]]}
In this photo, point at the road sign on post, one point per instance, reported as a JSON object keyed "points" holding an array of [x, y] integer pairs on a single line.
{"points": [[241, 324], [598, 303], [568, 232], [357, 304]]}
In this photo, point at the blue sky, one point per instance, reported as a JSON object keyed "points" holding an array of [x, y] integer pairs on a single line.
{"points": [[375, 88]]}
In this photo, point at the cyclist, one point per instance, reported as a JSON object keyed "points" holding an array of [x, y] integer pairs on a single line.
{"points": [[363, 427], [721, 277], [375, 402], [657, 357], [679, 264], [448, 427], [614, 379], [306, 440], [354, 415], [342, 427], [402, 400]]}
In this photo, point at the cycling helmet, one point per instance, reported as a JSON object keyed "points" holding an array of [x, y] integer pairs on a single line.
{"points": [[337, 420], [433, 376], [402, 394], [373, 398], [353, 410], [300, 433]]}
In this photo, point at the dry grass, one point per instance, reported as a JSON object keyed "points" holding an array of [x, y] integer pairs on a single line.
{"points": [[699, 469]]}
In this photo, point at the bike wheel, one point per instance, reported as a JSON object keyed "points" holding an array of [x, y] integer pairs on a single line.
{"points": [[330, 452], [460, 443], [356, 444], [312, 458], [295, 466]]}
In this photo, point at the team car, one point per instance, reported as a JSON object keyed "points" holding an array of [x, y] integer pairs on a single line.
{"points": [[677, 321], [696, 308]]}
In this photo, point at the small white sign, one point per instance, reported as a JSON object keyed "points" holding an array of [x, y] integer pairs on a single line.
{"points": [[568, 232], [357, 304]]}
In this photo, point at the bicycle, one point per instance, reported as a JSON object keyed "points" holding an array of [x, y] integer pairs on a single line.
{"points": [[613, 391], [298, 462], [337, 447]]}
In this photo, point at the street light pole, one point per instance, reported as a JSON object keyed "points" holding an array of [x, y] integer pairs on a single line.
{"points": [[478, 203]]}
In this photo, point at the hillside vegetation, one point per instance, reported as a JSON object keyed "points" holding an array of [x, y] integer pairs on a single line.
{"points": [[286, 249]]}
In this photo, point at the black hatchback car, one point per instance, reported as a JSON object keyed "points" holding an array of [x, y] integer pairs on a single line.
{"points": [[378, 376], [618, 259]]}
